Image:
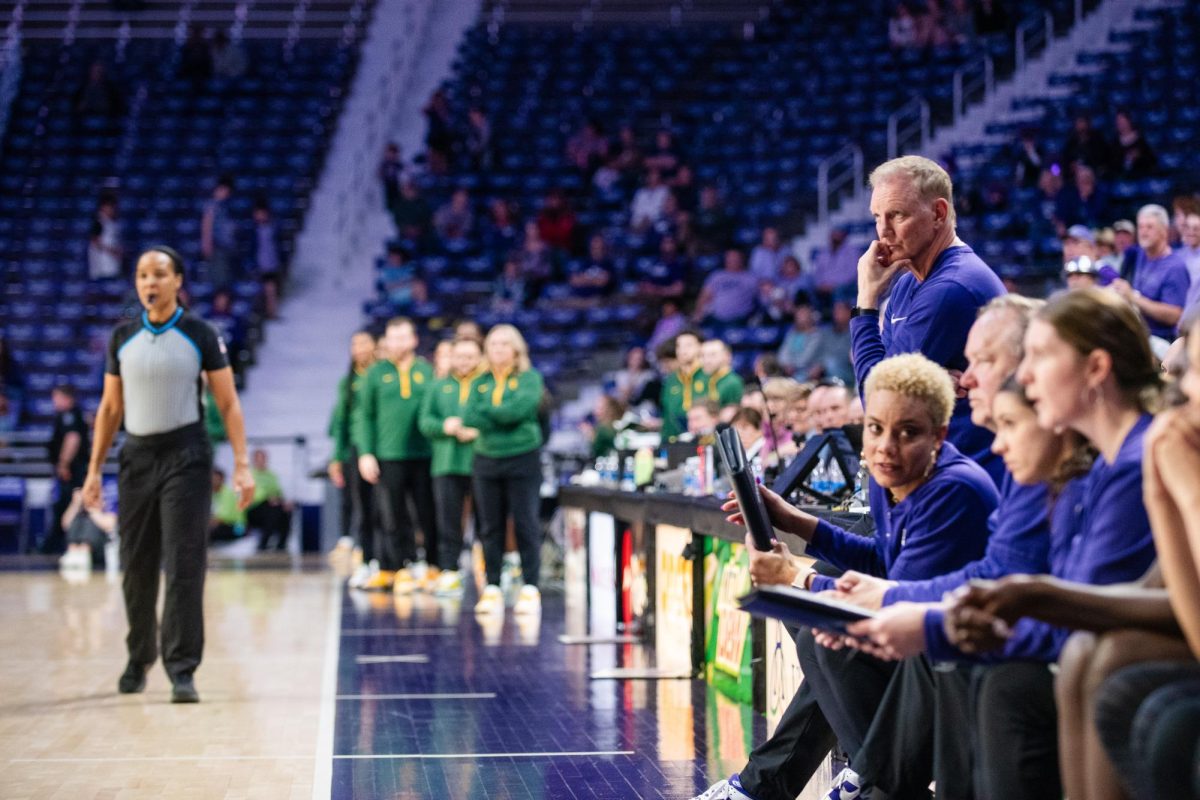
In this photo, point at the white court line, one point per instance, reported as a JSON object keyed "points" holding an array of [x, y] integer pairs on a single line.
{"points": [[446, 696], [323, 768], [365, 757], [396, 632], [413, 659]]}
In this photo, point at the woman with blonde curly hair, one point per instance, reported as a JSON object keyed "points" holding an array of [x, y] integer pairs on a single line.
{"points": [[930, 504]]}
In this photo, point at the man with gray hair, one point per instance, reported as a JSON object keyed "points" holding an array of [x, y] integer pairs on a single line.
{"points": [[933, 282], [1159, 285]]}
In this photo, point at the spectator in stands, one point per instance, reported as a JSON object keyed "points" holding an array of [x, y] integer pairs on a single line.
{"points": [[930, 32], [1136, 158], [594, 277], [778, 297], [588, 148], [711, 225], [1088, 146], [218, 235], [798, 355], [671, 322], [902, 28], [1084, 203], [501, 230], [664, 156], [702, 420], [1081, 273], [683, 188], [766, 366], [835, 268], [1189, 246], [1107, 256], [1030, 160], [628, 154], [269, 512], [556, 223], [231, 328], [195, 58], [440, 139], [477, 139], [455, 221], [648, 201], [1078, 241], [68, 452], [512, 289], [607, 185], [537, 263], [402, 285], [1160, 282], [958, 22], [834, 345], [390, 172], [725, 387], [228, 58], [632, 378], [87, 531], [729, 295], [267, 262], [228, 521], [991, 16], [98, 97], [667, 276], [1181, 206], [104, 242], [919, 249], [767, 256], [411, 213]]}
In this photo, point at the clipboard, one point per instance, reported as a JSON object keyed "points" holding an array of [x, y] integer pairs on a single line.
{"points": [[745, 488], [802, 608]]}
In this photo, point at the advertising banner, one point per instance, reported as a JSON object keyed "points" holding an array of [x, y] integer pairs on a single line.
{"points": [[728, 652]]}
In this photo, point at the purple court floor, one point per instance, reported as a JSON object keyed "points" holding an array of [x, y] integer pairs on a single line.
{"points": [[433, 704]]}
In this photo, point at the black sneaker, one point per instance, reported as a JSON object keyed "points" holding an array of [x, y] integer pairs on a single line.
{"points": [[133, 679], [183, 690]]}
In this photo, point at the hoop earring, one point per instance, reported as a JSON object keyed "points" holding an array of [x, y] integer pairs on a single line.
{"points": [[933, 456]]}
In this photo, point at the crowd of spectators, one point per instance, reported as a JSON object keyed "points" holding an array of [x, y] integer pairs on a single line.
{"points": [[934, 23]]}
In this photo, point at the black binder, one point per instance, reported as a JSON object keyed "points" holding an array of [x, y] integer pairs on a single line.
{"points": [[802, 608], [745, 488]]}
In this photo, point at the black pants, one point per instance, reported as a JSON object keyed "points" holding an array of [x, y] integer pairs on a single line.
{"points": [[505, 486], [451, 493], [165, 491], [782, 766], [1016, 724], [921, 732], [849, 687], [274, 523], [397, 543], [1130, 708], [358, 507]]}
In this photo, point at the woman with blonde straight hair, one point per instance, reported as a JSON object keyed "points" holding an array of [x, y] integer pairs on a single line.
{"points": [[507, 472]]}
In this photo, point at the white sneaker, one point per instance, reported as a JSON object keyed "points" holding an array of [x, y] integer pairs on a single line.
{"points": [[847, 785], [491, 601], [449, 584], [724, 790], [362, 574], [529, 601]]}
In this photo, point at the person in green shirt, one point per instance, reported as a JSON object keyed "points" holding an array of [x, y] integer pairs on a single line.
{"points": [[269, 512], [358, 496], [228, 521], [395, 456], [453, 452], [683, 386], [725, 387], [507, 470]]}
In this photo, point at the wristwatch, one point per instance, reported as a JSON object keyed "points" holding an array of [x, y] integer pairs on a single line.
{"points": [[859, 311]]}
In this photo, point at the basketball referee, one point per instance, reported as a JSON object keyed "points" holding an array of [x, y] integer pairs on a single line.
{"points": [[152, 382]]}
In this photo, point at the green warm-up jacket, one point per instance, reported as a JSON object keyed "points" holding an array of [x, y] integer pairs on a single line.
{"points": [[505, 410], [447, 398], [390, 406]]}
